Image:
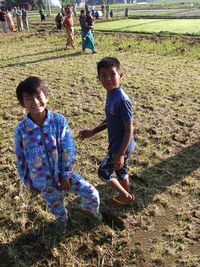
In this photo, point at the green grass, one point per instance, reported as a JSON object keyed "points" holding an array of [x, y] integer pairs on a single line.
{"points": [[161, 76], [182, 26]]}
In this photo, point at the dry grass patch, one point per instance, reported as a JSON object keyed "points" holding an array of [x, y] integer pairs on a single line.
{"points": [[161, 76]]}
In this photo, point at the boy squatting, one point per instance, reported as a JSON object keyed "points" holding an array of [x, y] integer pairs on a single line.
{"points": [[119, 124], [46, 153]]}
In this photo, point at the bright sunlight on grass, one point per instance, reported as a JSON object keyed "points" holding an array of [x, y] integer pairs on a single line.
{"points": [[183, 26]]}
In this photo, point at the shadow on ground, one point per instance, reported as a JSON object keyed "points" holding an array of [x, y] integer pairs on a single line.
{"points": [[41, 60], [36, 244], [152, 181]]}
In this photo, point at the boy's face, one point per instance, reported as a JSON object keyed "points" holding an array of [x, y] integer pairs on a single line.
{"points": [[110, 77], [35, 104]]}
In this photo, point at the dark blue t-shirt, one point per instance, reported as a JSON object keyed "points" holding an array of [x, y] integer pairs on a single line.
{"points": [[118, 110]]}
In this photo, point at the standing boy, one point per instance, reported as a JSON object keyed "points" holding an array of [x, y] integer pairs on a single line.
{"points": [[119, 123], [46, 153], [58, 20]]}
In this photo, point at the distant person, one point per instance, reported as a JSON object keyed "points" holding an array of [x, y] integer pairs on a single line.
{"points": [[46, 155], [69, 25], [42, 15], [96, 14], [58, 20], [25, 19], [107, 11], [119, 125], [10, 21], [67, 10], [111, 13], [3, 20], [126, 12], [14, 11], [86, 7], [20, 27], [90, 21], [86, 33], [103, 10]]}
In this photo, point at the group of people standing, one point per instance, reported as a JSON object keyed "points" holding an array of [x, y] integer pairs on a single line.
{"points": [[7, 19], [65, 19], [105, 10]]}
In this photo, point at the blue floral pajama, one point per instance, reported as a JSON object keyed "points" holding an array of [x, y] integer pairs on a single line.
{"points": [[45, 154], [54, 197]]}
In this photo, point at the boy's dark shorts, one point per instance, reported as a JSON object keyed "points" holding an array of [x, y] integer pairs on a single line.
{"points": [[106, 168]]}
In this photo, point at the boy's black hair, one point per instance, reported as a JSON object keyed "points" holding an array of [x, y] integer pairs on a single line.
{"points": [[31, 86], [108, 62], [82, 11]]}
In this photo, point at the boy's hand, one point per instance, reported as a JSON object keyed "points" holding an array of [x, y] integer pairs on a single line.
{"points": [[85, 134], [65, 184], [119, 162]]}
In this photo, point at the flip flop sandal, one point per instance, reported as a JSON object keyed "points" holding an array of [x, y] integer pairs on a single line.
{"points": [[118, 203]]}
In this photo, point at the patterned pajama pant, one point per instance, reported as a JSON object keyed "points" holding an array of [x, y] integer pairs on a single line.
{"points": [[54, 197]]}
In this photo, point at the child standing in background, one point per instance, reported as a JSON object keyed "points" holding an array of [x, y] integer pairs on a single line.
{"points": [[58, 20]]}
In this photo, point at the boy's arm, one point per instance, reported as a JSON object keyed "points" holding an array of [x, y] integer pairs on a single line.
{"points": [[119, 159], [21, 162], [68, 154], [89, 133]]}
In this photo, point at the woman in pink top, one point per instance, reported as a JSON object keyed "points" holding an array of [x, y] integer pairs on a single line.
{"points": [[69, 25]]}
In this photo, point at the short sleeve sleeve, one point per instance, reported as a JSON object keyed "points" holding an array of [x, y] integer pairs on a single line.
{"points": [[126, 112]]}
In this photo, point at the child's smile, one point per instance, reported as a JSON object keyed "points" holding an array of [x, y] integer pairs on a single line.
{"points": [[35, 104]]}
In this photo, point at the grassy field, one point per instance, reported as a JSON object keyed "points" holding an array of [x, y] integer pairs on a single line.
{"points": [[181, 26], [161, 76]]}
